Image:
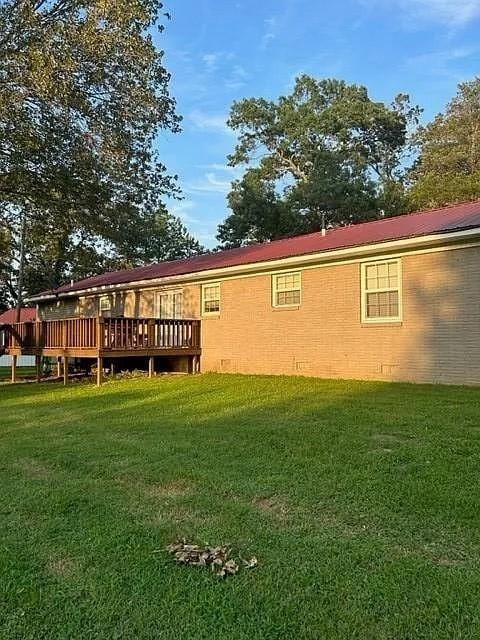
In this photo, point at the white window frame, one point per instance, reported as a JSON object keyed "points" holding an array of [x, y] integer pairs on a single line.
{"points": [[364, 291], [102, 310], [208, 286], [275, 290], [158, 305]]}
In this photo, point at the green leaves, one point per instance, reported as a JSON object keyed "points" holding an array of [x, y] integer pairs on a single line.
{"points": [[448, 169], [258, 213], [84, 92], [161, 236], [325, 149]]}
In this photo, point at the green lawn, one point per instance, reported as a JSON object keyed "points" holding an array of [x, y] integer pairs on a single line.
{"points": [[360, 500], [22, 372]]}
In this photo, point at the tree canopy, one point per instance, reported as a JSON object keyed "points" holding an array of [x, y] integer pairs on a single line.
{"points": [[448, 167], [164, 237], [258, 213], [84, 93], [326, 150]]}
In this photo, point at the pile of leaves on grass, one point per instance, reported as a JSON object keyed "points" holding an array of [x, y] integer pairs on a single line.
{"points": [[217, 558], [135, 373]]}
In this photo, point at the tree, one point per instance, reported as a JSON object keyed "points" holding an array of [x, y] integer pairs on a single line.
{"points": [[330, 151], [448, 167], [5, 266], [83, 95], [258, 213], [164, 237]]}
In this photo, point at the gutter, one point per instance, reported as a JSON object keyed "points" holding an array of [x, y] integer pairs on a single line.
{"points": [[320, 258]]}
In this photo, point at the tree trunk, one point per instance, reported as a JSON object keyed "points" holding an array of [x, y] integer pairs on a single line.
{"points": [[21, 267]]}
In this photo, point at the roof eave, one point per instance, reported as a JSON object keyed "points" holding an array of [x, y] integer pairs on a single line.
{"points": [[411, 242]]}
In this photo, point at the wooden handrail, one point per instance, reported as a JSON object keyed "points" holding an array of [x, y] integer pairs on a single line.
{"points": [[105, 334], [150, 333]]}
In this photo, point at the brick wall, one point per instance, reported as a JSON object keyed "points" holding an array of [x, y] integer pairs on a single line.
{"points": [[438, 340]]}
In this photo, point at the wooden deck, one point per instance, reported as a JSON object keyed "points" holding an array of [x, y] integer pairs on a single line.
{"points": [[103, 338]]}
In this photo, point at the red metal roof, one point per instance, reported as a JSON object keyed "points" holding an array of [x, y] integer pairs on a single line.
{"points": [[454, 218], [26, 315]]}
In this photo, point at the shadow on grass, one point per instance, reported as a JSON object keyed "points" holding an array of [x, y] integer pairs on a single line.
{"points": [[360, 499]]}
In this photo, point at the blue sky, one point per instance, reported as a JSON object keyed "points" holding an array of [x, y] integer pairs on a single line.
{"points": [[219, 51]]}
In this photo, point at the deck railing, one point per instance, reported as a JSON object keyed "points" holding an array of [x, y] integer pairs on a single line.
{"points": [[131, 334], [103, 334]]}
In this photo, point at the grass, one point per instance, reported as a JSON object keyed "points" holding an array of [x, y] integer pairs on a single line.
{"points": [[22, 372], [360, 500]]}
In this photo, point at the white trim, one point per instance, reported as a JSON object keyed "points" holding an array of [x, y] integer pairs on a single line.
{"points": [[275, 290], [364, 291], [202, 302], [102, 310], [166, 291], [423, 244]]}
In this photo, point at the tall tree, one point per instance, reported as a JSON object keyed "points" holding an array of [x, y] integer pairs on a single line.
{"points": [[258, 213], [83, 95], [448, 168], [330, 151], [164, 237], [5, 268]]}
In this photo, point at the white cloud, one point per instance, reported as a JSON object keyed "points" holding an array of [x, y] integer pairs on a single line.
{"points": [[238, 77], [443, 62], [209, 121], [213, 60], [442, 57], [210, 60], [270, 33], [181, 209], [209, 184], [203, 230], [220, 167], [450, 12], [207, 238]]}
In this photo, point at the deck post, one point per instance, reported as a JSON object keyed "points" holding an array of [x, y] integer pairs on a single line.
{"points": [[193, 364], [14, 368], [65, 370], [100, 333], [38, 367], [59, 367], [99, 370], [151, 366], [151, 333]]}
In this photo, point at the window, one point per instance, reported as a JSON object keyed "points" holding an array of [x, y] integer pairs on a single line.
{"points": [[287, 289], [211, 299], [381, 291], [105, 306], [169, 304]]}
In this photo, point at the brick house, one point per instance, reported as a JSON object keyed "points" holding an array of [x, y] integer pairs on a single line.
{"points": [[393, 299]]}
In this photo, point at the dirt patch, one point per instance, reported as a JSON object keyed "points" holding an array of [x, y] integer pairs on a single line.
{"points": [[346, 527], [33, 469], [445, 557], [388, 439], [433, 554], [61, 567], [448, 562], [182, 518], [273, 506], [173, 489]]}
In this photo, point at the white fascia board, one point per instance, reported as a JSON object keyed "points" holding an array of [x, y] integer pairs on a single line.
{"points": [[319, 258]]}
